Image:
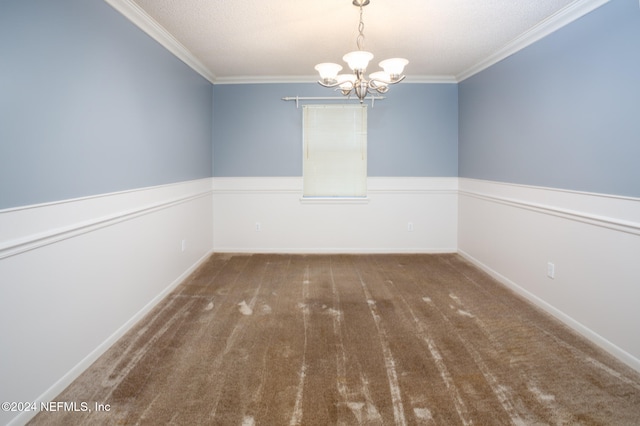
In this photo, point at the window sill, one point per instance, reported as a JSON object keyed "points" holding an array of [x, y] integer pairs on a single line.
{"points": [[334, 200]]}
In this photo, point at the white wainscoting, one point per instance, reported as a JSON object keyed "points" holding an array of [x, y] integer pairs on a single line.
{"points": [[379, 224], [75, 275], [593, 241]]}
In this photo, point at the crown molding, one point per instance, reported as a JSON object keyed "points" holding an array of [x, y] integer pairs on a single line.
{"points": [[146, 23], [440, 79], [563, 17], [266, 79], [314, 78]]}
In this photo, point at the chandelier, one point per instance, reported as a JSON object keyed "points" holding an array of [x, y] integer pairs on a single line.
{"points": [[358, 60]]}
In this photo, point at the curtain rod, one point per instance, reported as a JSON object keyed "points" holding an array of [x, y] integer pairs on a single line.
{"points": [[327, 98]]}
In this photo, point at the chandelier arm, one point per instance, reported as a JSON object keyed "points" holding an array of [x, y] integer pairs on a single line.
{"points": [[379, 86], [330, 85], [398, 80], [346, 91], [372, 83]]}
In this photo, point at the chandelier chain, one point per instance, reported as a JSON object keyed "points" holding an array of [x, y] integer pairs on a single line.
{"points": [[360, 39]]}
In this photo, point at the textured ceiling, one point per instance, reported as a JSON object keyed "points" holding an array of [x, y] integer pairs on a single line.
{"points": [[284, 39]]}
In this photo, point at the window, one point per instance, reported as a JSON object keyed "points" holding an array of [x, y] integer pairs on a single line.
{"points": [[335, 151]]}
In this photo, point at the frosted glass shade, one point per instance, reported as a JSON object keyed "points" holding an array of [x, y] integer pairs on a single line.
{"points": [[358, 59], [394, 66], [381, 78], [328, 71]]}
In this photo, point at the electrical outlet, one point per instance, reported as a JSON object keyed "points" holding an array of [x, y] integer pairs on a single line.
{"points": [[551, 270], [258, 226], [410, 227]]}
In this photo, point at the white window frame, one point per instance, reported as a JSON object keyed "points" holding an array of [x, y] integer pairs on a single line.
{"points": [[334, 153]]}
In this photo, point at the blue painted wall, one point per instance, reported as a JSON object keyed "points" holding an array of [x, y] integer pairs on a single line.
{"points": [[564, 112], [413, 132], [90, 104]]}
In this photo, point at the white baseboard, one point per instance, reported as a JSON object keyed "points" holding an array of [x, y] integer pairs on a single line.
{"points": [[75, 372], [75, 275], [590, 241], [338, 250], [594, 337], [401, 215]]}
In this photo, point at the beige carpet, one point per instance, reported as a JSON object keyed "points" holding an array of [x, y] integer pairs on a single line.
{"points": [[350, 339]]}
